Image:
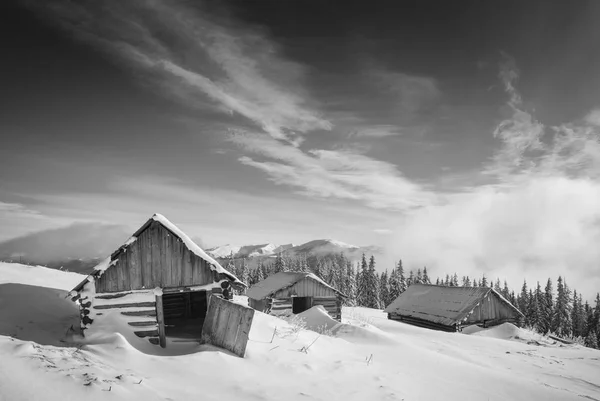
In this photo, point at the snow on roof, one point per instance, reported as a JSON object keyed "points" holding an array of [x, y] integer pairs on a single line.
{"points": [[440, 304], [190, 245], [279, 281]]}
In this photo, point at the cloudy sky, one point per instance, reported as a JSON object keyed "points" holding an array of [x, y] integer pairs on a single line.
{"points": [[459, 135]]}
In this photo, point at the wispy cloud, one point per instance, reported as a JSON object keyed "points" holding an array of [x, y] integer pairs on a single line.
{"points": [[530, 148], [411, 92], [218, 216], [195, 58], [343, 174], [376, 131]]}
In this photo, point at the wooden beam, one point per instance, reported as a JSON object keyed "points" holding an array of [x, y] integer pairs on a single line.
{"points": [[146, 333], [160, 318], [146, 312], [130, 305], [144, 323], [111, 296]]}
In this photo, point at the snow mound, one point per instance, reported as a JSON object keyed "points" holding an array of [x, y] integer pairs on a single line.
{"points": [[39, 314], [508, 331], [318, 319], [38, 275]]}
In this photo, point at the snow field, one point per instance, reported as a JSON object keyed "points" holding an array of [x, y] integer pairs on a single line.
{"points": [[364, 357]]}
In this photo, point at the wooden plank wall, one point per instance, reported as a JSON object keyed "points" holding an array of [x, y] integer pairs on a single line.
{"points": [[281, 306], [156, 259], [137, 308], [227, 325], [491, 308], [306, 288], [421, 323], [332, 305]]}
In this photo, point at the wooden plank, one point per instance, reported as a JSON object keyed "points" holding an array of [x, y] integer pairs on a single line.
{"points": [[192, 270], [112, 296], [145, 312], [146, 252], [165, 258], [244, 331], [146, 333], [177, 265], [121, 272], [155, 254], [144, 323], [160, 319], [129, 305], [232, 317], [135, 273]]}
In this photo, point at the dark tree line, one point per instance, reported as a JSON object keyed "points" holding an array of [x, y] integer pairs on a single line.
{"points": [[561, 312]]}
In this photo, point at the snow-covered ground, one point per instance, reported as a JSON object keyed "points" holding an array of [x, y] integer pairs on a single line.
{"points": [[364, 357]]}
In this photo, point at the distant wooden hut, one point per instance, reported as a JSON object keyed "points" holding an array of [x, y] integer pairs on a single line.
{"points": [[158, 284], [294, 292], [451, 308]]}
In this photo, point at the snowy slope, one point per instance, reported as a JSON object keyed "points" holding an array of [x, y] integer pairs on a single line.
{"points": [[367, 357]]}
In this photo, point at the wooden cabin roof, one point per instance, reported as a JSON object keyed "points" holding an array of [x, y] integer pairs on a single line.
{"points": [[441, 304], [174, 230], [282, 280]]}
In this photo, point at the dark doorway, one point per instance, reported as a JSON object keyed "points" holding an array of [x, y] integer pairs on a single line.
{"points": [[184, 314], [300, 304]]}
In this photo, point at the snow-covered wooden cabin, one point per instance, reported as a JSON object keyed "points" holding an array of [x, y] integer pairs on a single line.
{"points": [[452, 308], [157, 284], [294, 292]]}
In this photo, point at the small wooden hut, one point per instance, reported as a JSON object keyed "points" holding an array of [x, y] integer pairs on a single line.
{"points": [[452, 308], [294, 292], [158, 284]]}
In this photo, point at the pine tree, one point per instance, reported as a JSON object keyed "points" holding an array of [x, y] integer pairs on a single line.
{"points": [[484, 282], [591, 340], [394, 282], [384, 289], [562, 324], [596, 317], [279, 264], [522, 302], [532, 309], [372, 297], [539, 315], [401, 279], [547, 307], [577, 316], [437, 281], [467, 282], [362, 282], [419, 277], [505, 290], [411, 279], [244, 271], [497, 286], [426, 279], [455, 280], [350, 284]]}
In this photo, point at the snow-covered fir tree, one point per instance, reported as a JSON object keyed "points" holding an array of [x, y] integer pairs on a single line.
{"points": [[372, 284], [562, 324], [384, 289], [350, 278], [362, 282], [426, 279]]}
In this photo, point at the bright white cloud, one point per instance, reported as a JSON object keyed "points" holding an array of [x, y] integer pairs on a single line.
{"points": [[542, 219]]}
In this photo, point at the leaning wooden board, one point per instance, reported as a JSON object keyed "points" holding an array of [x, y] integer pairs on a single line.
{"points": [[227, 325]]}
